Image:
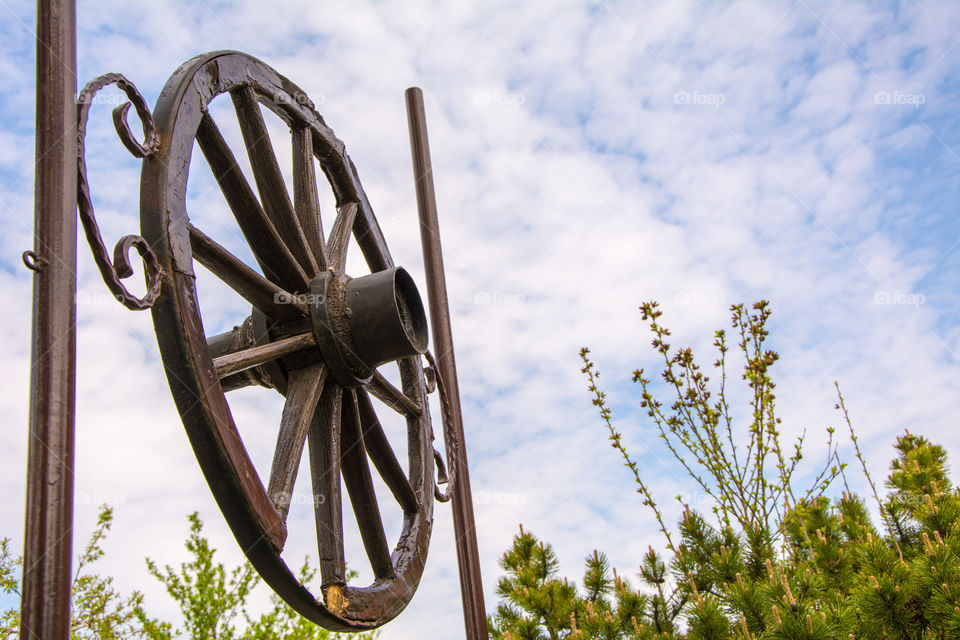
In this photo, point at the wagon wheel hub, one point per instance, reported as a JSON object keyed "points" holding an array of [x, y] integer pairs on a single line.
{"points": [[362, 323], [354, 325]]}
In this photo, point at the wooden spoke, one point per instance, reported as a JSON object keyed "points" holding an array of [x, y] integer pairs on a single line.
{"points": [[255, 289], [266, 172], [397, 400], [303, 394], [356, 475], [382, 454], [272, 254], [369, 235], [305, 199], [324, 444], [241, 360], [340, 235]]}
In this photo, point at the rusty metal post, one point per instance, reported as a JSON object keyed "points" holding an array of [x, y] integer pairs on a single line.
{"points": [[48, 538], [468, 555]]}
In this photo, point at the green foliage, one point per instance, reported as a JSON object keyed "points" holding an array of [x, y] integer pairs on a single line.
{"points": [[535, 597], [775, 561], [212, 598], [9, 586], [99, 612], [536, 604], [283, 623]]}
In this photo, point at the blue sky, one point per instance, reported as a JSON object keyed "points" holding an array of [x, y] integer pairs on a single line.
{"points": [[588, 157]]}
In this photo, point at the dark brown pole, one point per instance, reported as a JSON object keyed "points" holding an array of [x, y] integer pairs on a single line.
{"points": [[48, 538], [468, 555]]}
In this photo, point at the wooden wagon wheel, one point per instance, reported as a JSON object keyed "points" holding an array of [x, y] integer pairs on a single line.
{"points": [[315, 334]]}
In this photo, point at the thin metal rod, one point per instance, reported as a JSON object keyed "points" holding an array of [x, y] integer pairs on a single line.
{"points": [[468, 555], [48, 538]]}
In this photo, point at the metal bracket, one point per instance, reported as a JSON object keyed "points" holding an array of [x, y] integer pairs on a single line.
{"points": [[119, 268], [33, 261], [444, 475]]}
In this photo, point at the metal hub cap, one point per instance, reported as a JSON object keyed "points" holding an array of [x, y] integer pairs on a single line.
{"points": [[362, 323]]}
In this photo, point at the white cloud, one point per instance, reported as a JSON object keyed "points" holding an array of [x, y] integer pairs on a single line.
{"points": [[587, 158]]}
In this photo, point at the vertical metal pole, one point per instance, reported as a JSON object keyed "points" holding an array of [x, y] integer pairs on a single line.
{"points": [[48, 538], [468, 555]]}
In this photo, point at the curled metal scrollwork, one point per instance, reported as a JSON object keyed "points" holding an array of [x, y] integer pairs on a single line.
{"points": [[119, 268], [449, 439]]}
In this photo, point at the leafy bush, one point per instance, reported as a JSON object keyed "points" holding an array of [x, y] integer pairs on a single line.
{"points": [[773, 561], [212, 598]]}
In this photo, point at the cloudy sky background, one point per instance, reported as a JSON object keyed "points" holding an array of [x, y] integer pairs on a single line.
{"points": [[588, 157]]}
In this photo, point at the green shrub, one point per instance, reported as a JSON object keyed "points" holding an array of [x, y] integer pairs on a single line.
{"points": [[773, 560], [212, 598]]}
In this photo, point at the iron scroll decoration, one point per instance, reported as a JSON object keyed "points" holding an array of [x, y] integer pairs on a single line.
{"points": [[321, 352], [113, 272]]}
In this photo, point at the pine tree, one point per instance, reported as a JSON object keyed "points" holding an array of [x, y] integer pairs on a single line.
{"points": [[771, 560]]}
